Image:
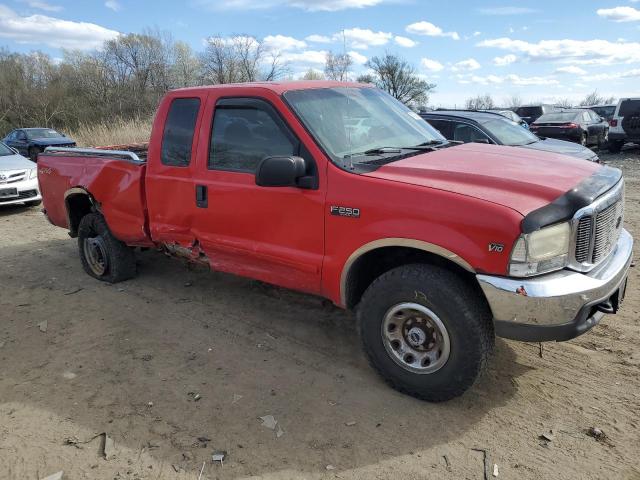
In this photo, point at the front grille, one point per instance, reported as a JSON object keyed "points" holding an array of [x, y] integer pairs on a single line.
{"points": [[14, 177], [24, 195], [597, 233]]}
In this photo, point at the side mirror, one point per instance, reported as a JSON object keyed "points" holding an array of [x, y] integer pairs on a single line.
{"points": [[482, 140], [280, 171]]}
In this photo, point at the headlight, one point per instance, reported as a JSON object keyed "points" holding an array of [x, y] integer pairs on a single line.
{"points": [[542, 251], [33, 173]]}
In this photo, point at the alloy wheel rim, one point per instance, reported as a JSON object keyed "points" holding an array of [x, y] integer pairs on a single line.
{"points": [[415, 338]]}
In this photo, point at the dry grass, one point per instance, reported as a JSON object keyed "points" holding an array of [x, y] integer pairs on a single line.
{"points": [[117, 132]]}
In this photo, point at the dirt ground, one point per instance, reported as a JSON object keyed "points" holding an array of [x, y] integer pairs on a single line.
{"points": [[178, 363]]}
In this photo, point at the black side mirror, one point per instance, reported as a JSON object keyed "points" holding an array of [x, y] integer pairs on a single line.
{"points": [[280, 171], [481, 140]]}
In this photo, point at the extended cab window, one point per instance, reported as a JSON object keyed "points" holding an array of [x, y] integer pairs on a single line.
{"points": [[244, 132], [467, 133], [178, 132]]}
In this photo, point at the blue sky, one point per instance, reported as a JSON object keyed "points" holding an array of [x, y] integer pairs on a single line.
{"points": [[540, 51]]}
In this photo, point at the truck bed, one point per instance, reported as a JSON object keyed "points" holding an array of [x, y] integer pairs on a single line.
{"points": [[65, 172]]}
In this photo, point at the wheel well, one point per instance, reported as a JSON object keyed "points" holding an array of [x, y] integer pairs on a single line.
{"points": [[374, 263], [78, 205]]}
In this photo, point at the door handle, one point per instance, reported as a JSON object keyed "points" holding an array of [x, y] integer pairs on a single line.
{"points": [[202, 197]]}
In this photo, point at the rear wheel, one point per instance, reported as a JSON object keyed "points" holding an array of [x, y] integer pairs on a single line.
{"points": [[425, 331], [603, 141], [103, 256], [583, 140]]}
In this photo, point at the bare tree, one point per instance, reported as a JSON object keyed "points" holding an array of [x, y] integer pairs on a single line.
{"points": [[594, 98], [312, 74], [366, 78], [396, 76], [514, 101], [480, 102], [240, 58], [564, 103], [185, 70], [337, 66]]}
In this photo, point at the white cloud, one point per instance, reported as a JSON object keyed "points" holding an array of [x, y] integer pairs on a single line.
{"points": [[620, 14], [363, 38], [405, 42], [41, 5], [506, 10], [309, 5], [54, 32], [510, 79], [584, 52], [430, 30], [506, 60], [113, 5], [307, 57], [612, 76], [357, 58], [477, 34], [431, 65], [572, 69], [282, 42], [318, 39], [467, 65]]}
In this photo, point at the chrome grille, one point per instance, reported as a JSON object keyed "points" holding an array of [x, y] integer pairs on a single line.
{"points": [[13, 177], [598, 230]]}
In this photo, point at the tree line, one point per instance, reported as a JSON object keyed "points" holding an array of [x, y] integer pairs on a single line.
{"points": [[126, 78], [486, 102]]}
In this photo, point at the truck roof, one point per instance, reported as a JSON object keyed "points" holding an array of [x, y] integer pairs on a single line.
{"points": [[279, 87]]}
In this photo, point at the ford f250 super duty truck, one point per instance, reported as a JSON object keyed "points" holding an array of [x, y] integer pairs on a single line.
{"points": [[338, 190]]}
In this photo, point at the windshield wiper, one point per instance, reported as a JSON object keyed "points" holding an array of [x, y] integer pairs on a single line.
{"points": [[374, 151]]}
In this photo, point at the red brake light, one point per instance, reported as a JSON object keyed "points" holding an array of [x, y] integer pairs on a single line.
{"points": [[613, 122], [571, 125]]}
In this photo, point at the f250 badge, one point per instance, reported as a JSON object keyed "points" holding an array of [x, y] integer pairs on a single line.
{"points": [[345, 211], [496, 247]]}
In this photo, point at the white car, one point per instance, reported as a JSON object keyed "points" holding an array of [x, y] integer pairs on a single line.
{"points": [[625, 124], [18, 179]]}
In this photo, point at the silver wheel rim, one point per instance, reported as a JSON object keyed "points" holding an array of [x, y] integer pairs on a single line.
{"points": [[96, 255], [415, 338]]}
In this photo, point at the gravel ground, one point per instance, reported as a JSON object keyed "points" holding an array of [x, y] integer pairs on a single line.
{"points": [[180, 362]]}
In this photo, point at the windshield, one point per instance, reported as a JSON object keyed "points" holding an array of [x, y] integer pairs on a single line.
{"points": [[349, 121], [557, 117], [43, 133], [605, 112], [4, 150], [509, 133], [529, 111]]}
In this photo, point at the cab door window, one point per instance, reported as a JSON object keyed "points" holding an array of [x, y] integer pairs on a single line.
{"points": [[244, 132]]}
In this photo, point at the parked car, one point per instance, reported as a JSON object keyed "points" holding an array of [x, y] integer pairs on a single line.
{"points": [[437, 246], [488, 127], [530, 113], [625, 124], [581, 126], [513, 116], [18, 179], [31, 141], [605, 111]]}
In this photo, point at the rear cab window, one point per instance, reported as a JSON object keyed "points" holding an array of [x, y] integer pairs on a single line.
{"points": [[179, 128], [629, 107]]}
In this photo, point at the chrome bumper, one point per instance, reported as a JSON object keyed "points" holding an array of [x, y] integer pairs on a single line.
{"points": [[531, 308]]}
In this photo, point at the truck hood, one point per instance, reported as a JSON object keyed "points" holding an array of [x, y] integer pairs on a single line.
{"points": [[564, 147], [518, 178], [15, 162]]}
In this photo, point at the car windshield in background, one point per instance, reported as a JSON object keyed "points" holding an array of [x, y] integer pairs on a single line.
{"points": [[629, 107], [605, 112], [43, 133], [352, 121], [529, 111], [5, 151], [509, 133], [557, 117]]}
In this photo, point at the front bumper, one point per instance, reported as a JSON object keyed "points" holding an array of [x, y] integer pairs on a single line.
{"points": [[26, 191], [559, 305]]}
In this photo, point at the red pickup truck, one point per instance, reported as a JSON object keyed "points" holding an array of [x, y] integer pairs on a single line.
{"points": [[338, 190]]}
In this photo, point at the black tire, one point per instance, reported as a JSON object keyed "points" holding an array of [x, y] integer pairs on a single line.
{"points": [[462, 310], [33, 154], [99, 248], [615, 147], [584, 140], [603, 141], [33, 203]]}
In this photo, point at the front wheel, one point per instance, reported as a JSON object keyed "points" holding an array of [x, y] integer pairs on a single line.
{"points": [[103, 256], [426, 331]]}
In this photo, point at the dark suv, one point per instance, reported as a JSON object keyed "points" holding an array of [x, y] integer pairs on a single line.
{"points": [[486, 127], [530, 113]]}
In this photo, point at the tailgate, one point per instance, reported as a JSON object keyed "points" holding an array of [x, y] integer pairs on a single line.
{"points": [[115, 183]]}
